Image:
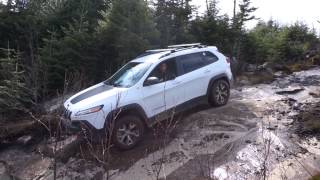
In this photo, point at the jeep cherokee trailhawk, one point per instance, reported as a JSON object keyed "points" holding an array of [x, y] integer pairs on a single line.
{"points": [[142, 91]]}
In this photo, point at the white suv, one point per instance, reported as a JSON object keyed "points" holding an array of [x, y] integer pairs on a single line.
{"points": [[146, 88]]}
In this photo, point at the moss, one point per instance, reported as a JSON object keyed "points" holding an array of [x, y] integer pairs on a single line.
{"points": [[300, 66], [316, 177], [257, 77]]}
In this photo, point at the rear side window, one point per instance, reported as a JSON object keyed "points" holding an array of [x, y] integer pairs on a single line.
{"points": [[209, 57], [194, 61], [190, 62]]}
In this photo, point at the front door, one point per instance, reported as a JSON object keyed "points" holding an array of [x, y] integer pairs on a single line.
{"points": [[165, 94]]}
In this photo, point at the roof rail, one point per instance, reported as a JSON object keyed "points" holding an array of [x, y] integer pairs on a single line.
{"points": [[158, 50], [185, 45], [172, 49]]}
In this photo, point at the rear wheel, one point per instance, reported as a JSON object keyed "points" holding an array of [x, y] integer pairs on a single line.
{"points": [[128, 132], [219, 93]]}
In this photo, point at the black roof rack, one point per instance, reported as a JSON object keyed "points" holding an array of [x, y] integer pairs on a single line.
{"points": [[172, 49], [193, 45]]}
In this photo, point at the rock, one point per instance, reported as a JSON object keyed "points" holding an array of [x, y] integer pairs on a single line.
{"points": [[296, 106], [17, 129], [35, 168], [79, 169], [244, 82], [290, 90], [24, 140], [267, 65], [279, 74], [251, 68], [314, 94], [257, 77], [281, 67], [64, 148], [226, 136], [271, 128], [4, 175]]}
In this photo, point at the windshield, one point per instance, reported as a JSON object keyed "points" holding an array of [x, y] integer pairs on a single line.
{"points": [[129, 74]]}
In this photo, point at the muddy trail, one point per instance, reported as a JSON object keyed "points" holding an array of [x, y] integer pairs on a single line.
{"points": [[266, 131]]}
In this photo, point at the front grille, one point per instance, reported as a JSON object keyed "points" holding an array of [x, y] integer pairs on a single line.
{"points": [[67, 113]]}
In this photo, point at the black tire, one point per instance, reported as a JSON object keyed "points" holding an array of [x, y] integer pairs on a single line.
{"points": [[219, 93], [128, 132]]}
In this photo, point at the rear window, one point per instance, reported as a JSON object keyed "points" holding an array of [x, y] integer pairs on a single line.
{"points": [[190, 62], [209, 57]]}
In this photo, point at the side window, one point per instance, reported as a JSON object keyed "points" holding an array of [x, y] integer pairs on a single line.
{"points": [[191, 62], [209, 57], [165, 71]]}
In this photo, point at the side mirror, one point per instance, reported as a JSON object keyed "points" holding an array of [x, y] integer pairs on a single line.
{"points": [[151, 81]]}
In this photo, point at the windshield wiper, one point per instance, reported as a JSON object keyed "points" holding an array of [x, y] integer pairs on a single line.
{"points": [[112, 84], [107, 83]]}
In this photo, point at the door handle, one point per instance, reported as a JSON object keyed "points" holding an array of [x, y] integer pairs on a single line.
{"points": [[176, 82]]}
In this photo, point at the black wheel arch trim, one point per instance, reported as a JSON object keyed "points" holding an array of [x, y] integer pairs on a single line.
{"points": [[132, 108], [214, 79]]}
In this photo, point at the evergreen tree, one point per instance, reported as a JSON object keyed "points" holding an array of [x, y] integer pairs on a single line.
{"points": [[70, 49], [213, 29], [239, 20], [245, 14], [173, 21], [72, 54], [128, 30], [14, 95], [212, 8]]}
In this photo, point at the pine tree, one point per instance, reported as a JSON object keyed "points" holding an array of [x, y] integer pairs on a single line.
{"points": [[71, 49], [14, 95], [239, 20], [128, 30], [245, 13], [173, 21], [212, 8]]}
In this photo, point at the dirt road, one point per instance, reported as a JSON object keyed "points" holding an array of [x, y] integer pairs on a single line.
{"points": [[257, 135], [250, 138]]}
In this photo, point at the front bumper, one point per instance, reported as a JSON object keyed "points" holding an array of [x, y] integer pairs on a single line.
{"points": [[85, 130], [72, 127]]}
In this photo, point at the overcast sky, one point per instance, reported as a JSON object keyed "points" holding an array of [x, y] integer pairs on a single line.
{"points": [[283, 11]]}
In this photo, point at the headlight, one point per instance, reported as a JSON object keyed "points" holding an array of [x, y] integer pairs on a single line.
{"points": [[90, 110]]}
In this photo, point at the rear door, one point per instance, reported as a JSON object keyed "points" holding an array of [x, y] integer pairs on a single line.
{"points": [[174, 90], [196, 69]]}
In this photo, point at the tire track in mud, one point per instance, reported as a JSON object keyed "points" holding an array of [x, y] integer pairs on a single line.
{"points": [[202, 165], [206, 132]]}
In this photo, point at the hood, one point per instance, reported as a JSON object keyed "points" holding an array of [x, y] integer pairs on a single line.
{"points": [[92, 94]]}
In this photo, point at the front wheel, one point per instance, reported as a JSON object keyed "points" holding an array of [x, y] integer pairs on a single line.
{"points": [[128, 131], [219, 93]]}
